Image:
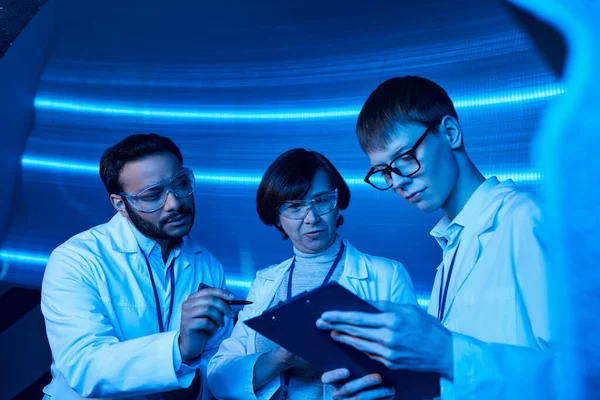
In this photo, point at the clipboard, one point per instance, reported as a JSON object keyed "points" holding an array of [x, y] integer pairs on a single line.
{"points": [[291, 325]]}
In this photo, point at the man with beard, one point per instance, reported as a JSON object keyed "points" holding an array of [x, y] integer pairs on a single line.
{"points": [[123, 312]]}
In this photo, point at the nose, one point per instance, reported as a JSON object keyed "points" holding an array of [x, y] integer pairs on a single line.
{"points": [[311, 216], [172, 203], [398, 181]]}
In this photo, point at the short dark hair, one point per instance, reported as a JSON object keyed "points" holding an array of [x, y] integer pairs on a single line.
{"points": [[132, 148], [399, 101], [290, 177]]}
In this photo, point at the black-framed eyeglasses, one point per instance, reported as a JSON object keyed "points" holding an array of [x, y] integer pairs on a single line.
{"points": [[154, 197], [406, 164], [298, 209]]}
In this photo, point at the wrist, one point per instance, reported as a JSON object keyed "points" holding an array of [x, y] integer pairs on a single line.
{"points": [[281, 361], [184, 356], [190, 352]]}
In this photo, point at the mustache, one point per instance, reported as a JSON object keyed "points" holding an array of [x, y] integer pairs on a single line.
{"points": [[176, 215]]}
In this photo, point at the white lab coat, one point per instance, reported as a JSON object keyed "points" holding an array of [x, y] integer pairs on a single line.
{"points": [[372, 278], [101, 319], [497, 302]]}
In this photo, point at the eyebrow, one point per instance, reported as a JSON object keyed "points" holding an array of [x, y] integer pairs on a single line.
{"points": [[395, 154], [321, 193], [161, 182], [314, 195]]}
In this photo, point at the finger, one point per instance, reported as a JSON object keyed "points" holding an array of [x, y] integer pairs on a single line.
{"points": [[377, 393], [403, 312], [335, 376], [196, 305], [355, 318], [213, 292], [404, 363], [356, 386], [379, 335], [324, 325], [366, 346], [203, 324], [211, 313]]}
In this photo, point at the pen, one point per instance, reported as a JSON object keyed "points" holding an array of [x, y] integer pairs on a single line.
{"points": [[238, 302], [230, 302]]}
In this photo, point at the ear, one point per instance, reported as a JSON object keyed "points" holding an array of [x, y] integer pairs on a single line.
{"points": [[453, 132], [119, 205]]}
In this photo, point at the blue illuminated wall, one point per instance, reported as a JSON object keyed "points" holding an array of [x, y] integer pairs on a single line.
{"points": [[236, 84]]}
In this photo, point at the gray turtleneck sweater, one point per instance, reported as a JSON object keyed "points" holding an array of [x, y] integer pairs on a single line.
{"points": [[309, 273]]}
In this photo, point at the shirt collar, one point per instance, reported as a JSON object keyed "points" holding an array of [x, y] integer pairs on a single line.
{"points": [[146, 244], [441, 233]]}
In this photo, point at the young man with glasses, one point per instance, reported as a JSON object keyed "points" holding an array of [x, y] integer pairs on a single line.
{"points": [[123, 310], [487, 331]]}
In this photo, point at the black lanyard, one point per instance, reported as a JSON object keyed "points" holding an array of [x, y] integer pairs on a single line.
{"points": [[442, 300], [161, 327], [288, 376]]}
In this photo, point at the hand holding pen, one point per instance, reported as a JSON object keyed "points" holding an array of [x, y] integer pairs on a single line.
{"points": [[202, 313], [230, 302]]}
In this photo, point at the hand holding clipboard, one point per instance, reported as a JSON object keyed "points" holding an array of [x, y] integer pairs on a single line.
{"points": [[292, 325]]}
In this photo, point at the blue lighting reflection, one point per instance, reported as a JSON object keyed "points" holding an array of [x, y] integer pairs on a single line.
{"points": [[239, 284], [160, 112], [235, 92], [29, 258], [354, 180], [244, 115], [8, 256]]}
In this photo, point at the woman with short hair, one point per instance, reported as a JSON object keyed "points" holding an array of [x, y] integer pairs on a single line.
{"points": [[302, 194]]}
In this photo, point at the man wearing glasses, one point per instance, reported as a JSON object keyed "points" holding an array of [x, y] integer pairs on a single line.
{"points": [[123, 312], [487, 331]]}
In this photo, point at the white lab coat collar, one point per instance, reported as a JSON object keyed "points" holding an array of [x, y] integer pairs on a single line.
{"points": [[273, 276], [478, 213], [123, 239], [355, 270], [476, 217]]}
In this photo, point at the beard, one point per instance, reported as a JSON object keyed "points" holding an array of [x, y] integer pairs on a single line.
{"points": [[156, 231]]}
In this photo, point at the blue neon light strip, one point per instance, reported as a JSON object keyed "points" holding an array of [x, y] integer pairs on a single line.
{"points": [[89, 107], [40, 259], [29, 258], [510, 97], [423, 299], [30, 162], [232, 179], [229, 116]]}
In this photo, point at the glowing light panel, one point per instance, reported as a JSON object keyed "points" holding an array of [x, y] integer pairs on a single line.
{"points": [[84, 106], [241, 178]]}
